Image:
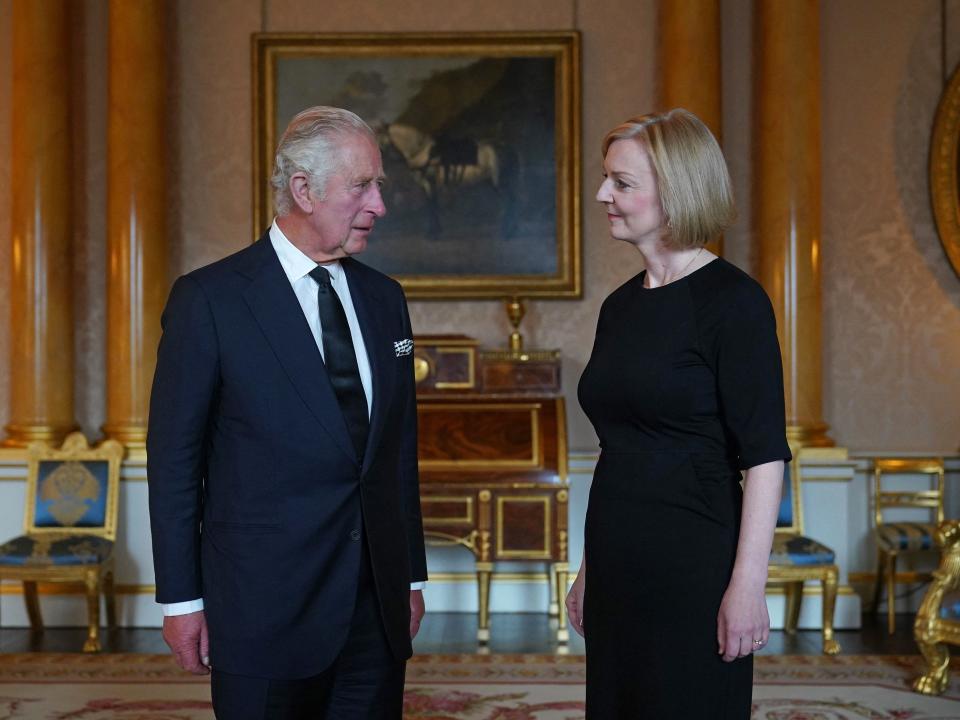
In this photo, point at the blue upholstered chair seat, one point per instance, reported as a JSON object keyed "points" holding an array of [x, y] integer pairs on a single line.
{"points": [[905, 536], [799, 550], [950, 611], [35, 550]]}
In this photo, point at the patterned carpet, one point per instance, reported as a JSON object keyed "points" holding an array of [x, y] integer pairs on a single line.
{"points": [[465, 687]]}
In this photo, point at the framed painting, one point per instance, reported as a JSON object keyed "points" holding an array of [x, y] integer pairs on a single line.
{"points": [[480, 138], [945, 170]]}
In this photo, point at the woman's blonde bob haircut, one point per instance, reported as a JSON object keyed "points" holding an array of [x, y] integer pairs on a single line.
{"points": [[692, 177]]}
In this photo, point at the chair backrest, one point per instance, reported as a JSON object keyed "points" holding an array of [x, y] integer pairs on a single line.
{"points": [[930, 496], [790, 515], [74, 488]]}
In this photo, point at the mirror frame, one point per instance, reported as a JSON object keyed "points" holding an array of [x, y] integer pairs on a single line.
{"points": [[944, 169]]}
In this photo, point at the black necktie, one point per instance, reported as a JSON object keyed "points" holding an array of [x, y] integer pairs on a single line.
{"points": [[340, 359]]}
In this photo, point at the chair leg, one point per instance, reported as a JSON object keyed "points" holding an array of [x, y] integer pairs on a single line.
{"points": [[936, 676], [109, 598], [92, 581], [32, 601], [794, 596], [553, 609], [878, 585], [829, 584], [891, 592]]}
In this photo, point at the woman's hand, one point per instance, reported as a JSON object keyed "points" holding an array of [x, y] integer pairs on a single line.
{"points": [[574, 602], [743, 624]]}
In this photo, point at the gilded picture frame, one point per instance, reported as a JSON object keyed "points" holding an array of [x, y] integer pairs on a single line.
{"points": [[944, 170], [480, 136]]}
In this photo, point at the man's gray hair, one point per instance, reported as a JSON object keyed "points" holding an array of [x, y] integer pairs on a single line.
{"points": [[310, 145]]}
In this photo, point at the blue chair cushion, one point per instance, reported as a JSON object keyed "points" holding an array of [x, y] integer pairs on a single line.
{"points": [[894, 537], [785, 512], [799, 550], [950, 611], [38, 550]]}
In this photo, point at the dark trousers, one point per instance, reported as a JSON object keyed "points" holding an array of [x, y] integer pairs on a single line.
{"points": [[365, 682]]}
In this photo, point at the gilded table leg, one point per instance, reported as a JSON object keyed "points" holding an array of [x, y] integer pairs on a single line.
{"points": [[552, 609], [32, 601], [92, 582], [793, 594], [563, 632], [830, 644], [484, 570]]}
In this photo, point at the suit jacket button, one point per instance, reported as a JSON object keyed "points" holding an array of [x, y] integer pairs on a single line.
{"points": [[354, 534]]}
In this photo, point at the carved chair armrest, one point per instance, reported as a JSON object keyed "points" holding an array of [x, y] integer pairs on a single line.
{"points": [[947, 534]]}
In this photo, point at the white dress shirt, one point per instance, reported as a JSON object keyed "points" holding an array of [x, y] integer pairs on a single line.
{"points": [[297, 267]]}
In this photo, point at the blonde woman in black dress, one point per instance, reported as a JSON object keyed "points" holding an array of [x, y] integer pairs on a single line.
{"points": [[685, 390]]}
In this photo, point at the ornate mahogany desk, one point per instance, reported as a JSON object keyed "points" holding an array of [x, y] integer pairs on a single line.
{"points": [[493, 459]]}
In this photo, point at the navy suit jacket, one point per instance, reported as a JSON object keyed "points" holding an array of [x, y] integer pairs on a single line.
{"points": [[257, 499]]}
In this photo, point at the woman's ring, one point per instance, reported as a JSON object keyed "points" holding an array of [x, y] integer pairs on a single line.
{"points": [[758, 642]]}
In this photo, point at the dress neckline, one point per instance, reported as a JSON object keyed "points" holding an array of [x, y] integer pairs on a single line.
{"points": [[643, 274]]}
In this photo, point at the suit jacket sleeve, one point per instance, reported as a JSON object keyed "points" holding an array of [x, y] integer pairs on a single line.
{"points": [[184, 393], [410, 474]]}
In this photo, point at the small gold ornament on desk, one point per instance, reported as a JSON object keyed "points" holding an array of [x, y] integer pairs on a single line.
{"points": [[517, 369], [515, 311]]}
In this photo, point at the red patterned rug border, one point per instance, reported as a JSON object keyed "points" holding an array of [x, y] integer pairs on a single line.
{"points": [[452, 669]]}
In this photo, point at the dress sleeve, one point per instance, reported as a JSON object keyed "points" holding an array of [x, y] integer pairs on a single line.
{"points": [[750, 382]]}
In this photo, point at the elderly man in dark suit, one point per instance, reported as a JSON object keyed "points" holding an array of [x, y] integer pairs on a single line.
{"points": [[284, 500]]}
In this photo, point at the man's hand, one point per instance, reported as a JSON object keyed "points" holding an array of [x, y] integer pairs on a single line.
{"points": [[186, 636], [416, 612]]}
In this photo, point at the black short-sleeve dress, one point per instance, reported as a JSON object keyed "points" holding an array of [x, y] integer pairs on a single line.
{"points": [[685, 389]]}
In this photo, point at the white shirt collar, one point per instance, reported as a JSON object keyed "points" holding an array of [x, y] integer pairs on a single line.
{"points": [[295, 264]]}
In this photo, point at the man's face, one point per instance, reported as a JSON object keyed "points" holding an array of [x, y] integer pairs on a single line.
{"points": [[352, 202]]}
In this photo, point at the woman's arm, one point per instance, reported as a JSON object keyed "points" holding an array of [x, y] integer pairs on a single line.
{"points": [[743, 617]]}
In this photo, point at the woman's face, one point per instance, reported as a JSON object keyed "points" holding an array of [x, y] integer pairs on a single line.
{"points": [[629, 192]]}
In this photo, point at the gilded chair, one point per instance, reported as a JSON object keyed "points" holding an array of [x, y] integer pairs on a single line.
{"points": [[796, 558], [934, 628], [70, 525], [894, 537]]}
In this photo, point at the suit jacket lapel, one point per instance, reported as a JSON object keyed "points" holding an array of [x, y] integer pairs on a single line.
{"points": [[377, 342], [278, 312]]}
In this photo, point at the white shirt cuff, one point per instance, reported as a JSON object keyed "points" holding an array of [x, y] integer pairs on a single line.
{"points": [[418, 585], [182, 608]]}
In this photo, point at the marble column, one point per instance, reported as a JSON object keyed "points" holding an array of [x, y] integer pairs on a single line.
{"points": [[787, 199], [689, 61], [137, 279], [41, 280]]}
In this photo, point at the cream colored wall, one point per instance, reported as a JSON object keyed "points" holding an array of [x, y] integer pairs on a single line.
{"points": [[891, 302]]}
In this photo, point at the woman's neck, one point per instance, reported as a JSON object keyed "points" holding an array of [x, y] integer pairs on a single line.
{"points": [[666, 264]]}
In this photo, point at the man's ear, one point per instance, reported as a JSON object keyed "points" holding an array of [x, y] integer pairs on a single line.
{"points": [[300, 192]]}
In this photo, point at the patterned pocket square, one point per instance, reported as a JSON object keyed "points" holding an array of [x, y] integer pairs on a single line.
{"points": [[403, 347]]}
